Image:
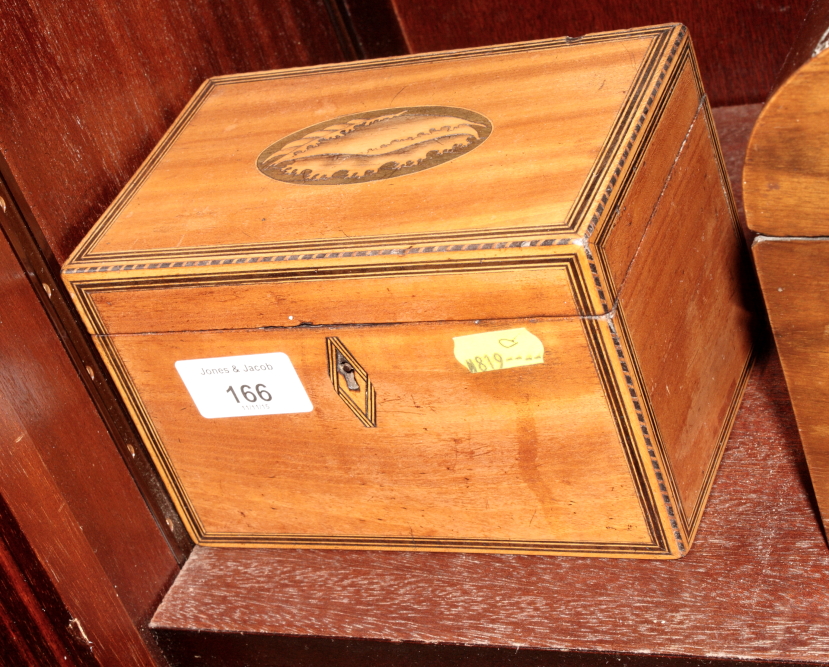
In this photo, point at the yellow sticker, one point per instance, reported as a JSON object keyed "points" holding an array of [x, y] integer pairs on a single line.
{"points": [[496, 350]]}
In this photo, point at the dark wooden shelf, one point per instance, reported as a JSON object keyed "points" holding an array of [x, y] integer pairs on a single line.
{"points": [[755, 586]]}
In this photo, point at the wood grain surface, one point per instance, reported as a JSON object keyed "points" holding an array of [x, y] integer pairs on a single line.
{"points": [[786, 174], [794, 274], [753, 587], [27, 34], [786, 183], [544, 291], [740, 44], [34, 621], [110, 77], [105, 547], [458, 459], [164, 54], [68, 326], [636, 212], [98, 617], [795, 281]]}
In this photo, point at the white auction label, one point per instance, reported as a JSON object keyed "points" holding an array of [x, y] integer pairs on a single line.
{"points": [[244, 386]]}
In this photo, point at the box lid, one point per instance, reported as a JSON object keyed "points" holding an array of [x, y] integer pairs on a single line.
{"points": [[468, 154]]}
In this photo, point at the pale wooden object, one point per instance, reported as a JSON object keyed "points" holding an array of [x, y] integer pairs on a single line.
{"points": [[572, 188], [786, 185], [795, 278], [786, 174]]}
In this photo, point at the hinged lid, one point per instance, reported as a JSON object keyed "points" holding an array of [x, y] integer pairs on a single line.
{"points": [[467, 156]]}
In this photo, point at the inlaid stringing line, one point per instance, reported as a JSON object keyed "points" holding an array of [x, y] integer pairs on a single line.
{"points": [[625, 433], [398, 251]]}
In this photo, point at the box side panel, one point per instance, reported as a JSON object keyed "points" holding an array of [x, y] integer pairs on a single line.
{"points": [[686, 316], [794, 275], [526, 459], [642, 192]]}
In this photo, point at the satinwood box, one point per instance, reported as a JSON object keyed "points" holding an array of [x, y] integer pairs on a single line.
{"points": [[481, 300]]}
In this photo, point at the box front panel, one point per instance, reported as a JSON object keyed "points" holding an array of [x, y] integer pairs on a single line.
{"points": [[489, 435]]}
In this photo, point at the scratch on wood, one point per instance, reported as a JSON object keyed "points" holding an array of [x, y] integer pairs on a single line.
{"points": [[76, 629]]}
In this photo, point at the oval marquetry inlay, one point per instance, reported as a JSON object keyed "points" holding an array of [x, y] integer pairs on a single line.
{"points": [[373, 145]]}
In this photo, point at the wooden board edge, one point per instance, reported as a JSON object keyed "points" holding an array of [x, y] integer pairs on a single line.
{"points": [[569, 258], [577, 550], [243, 259]]}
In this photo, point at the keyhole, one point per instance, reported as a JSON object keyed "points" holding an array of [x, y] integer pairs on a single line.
{"points": [[347, 371]]}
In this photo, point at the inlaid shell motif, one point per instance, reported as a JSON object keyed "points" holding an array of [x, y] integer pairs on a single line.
{"points": [[374, 145]]}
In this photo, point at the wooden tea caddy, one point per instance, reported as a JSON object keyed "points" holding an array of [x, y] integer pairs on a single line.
{"points": [[506, 282]]}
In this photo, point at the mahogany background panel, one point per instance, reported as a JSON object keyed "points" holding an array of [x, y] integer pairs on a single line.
{"points": [[88, 89], [66, 485], [40, 384], [740, 44], [97, 617], [34, 622], [374, 27], [813, 30]]}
